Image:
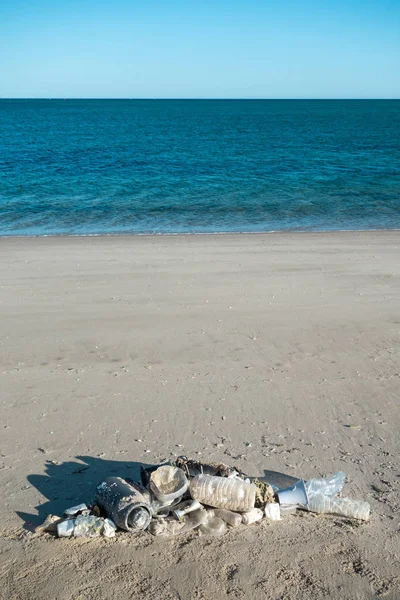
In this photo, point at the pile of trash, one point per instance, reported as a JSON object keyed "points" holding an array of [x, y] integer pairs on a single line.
{"points": [[172, 499]]}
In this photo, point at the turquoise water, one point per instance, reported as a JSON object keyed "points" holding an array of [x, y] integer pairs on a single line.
{"points": [[198, 166]]}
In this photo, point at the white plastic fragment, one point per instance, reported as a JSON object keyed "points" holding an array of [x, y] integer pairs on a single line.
{"points": [[109, 528], [187, 508], [273, 511], [252, 516], [66, 528], [75, 510]]}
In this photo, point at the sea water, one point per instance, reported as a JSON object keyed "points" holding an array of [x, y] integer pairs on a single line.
{"points": [[198, 166]]}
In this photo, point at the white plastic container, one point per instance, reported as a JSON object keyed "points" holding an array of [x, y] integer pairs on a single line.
{"points": [[168, 483], [252, 516], [273, 511], [223, 492]]}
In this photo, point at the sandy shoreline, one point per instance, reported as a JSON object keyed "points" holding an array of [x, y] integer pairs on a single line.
{"points": [[200, 344]]}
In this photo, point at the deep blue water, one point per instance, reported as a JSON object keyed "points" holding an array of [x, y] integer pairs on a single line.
{"points": [[169, 166]]}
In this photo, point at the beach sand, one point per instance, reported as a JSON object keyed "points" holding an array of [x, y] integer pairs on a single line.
{"points": [[276, 351]]}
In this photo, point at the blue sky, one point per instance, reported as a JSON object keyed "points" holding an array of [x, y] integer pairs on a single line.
{"points": [[200, 48]]}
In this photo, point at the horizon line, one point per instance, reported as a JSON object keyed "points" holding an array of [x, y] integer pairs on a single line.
{"points": [[181, 98]]}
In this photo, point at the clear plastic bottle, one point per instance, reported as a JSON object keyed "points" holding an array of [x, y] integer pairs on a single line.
{"points": [[328, 487], [345, 507], [223, 492], [231, 518]]}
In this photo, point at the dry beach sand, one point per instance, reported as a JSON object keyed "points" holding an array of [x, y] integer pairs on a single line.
{"points": [[276, 351]]}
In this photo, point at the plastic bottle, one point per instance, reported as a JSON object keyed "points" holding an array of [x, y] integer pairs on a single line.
{"points": [[345, 507], [231, 518], [328, 487], [223, 492], [252, 516]]}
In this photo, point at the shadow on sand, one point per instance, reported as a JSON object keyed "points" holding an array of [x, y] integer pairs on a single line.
{"points": [[74, 482]]}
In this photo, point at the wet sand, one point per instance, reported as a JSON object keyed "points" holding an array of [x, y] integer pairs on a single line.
{"points": [[275, 351]]}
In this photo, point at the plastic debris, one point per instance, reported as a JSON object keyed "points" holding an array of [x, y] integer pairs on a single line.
{"points": [[223, 492], [231, 518], [186, 508], [211, 498], [66, 528], [273, 511], [287, 509], [328, 487], [193, 467], [88, 526], [109, 528], [213, 526], [344, 507], [295, 495], [170, 526], [168, 483], [75, 510], [252, 516]]}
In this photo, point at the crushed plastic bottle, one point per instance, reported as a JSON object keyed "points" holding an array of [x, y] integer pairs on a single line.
{"points": [[170, 526], [344, 507], [328, 487], [88, 526], [223, 492]]}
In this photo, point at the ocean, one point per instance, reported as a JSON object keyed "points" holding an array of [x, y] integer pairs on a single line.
{"points": [[86, 167]]}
